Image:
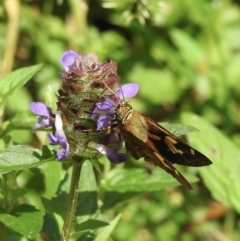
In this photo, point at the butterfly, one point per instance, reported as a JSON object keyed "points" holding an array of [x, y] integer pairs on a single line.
{"points": [[145, 138]]}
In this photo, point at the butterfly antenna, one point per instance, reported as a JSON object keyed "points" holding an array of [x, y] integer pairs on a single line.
{"points": [[123, 98], [115, 95]]}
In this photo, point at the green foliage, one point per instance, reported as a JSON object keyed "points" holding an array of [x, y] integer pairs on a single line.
{"points": [[138, 180], [15, 80], [19, 220], [19, 157], [185, 57], [225, 155]]}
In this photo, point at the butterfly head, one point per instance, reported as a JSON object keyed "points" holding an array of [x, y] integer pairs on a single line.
{"points": [[123, 112]]}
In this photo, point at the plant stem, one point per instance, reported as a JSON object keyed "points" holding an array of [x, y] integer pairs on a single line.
{"points": [[72, 202], [12, 9], [9, 181]]}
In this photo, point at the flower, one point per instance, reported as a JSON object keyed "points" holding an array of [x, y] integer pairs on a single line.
{"points": [[104, 110], [71, 60], [46, 118], [112, 154], [44, 112], [68, 60], [86, 103], [59, 138]]}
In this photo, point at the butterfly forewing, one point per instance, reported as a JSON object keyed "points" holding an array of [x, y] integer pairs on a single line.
{"points": [[172, 148]]}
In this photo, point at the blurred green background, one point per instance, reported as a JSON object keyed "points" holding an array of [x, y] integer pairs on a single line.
{"points": [[185, 55]]}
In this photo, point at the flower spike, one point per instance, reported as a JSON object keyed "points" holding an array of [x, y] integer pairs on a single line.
{"points": [[86, 102]]}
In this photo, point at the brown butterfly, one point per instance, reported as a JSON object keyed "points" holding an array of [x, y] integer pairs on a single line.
{"points": [[146, 138]]}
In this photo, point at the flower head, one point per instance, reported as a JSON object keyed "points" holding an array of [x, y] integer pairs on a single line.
{"points": [[86, 103]]}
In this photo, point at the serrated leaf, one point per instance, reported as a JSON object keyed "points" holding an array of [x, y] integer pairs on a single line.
{"points": [[178, 129], [139, 180], [16, 79], [104, 235], [222, 177], [21, 157], [24, 219]]}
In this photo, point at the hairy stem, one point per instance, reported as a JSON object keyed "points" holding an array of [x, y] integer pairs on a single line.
{"points": [[72, 202]]}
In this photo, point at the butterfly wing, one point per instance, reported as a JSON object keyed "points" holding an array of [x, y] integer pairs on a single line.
{"points": [[139, 149], [172, 148], [145, 138], [136, 143]]}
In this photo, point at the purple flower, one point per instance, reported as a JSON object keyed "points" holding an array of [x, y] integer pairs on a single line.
{"points": [[112, 154], [44, 112], [68, 60], [59, 138], [46, 118], [127, 90], [71, 60], [104, 110]]}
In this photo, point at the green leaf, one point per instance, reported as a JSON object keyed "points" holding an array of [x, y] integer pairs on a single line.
{"points": [[91, 224], [20, 157], [113, 199], [222, 177], [104, 235], [55, 211], [50, 229], [139, 180], [87, 202], [23, 120], [17, 193], [178, 129], [52, 179], [16, 79], [96, 164], [87, 207], [164, 80], [189, 48], [24, 219]]}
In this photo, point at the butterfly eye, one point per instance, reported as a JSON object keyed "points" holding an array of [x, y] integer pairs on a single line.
{"points": [[119, 118], [128, 106]]}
